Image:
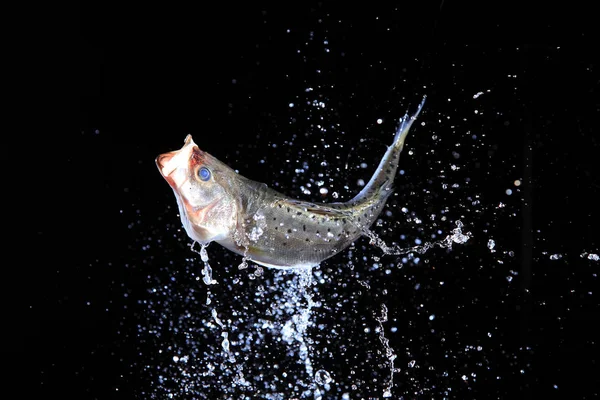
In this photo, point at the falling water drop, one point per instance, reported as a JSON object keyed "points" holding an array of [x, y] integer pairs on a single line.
{"points": [[322, 377]]}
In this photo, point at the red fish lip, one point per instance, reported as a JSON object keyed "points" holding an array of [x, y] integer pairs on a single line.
{"points": [[175, 166], [162, 159]]}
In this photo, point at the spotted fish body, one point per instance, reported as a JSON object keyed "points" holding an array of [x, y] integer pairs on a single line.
{"points": [[267, 227]]}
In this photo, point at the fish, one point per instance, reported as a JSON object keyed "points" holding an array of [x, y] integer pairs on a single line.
{"points": [[217, 204]]}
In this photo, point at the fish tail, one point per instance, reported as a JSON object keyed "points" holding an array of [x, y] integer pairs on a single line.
{"points": [[405, 125], [381, 184]]}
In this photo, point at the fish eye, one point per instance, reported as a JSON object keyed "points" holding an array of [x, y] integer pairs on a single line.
{"points": [[204, 174]]}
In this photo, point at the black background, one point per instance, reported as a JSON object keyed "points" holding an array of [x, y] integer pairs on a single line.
{"points": [[150, 74]]}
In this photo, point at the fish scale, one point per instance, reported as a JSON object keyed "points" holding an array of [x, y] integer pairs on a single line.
{"points": [[265, 226]]}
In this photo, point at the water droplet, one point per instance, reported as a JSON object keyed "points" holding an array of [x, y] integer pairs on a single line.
{"points": [[203, 253], [322, 377], [225, 342], [207, 274]]}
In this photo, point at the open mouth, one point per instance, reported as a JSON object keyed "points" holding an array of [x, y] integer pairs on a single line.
{"points": [[169, 162], [166, 167], [162, 160]]}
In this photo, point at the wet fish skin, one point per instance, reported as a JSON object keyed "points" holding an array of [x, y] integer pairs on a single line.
{"points": [[267, 227]]}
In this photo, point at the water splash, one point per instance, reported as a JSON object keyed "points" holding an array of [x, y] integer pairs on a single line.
{"points": [[389, 352], [252, 235], [287, 321], [259, 227], [590, 256], [294, 330], [457, 237], [206, 271]]}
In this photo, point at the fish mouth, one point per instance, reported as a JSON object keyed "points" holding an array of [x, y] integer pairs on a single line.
{"points": [[163, 159], [173, 161]]}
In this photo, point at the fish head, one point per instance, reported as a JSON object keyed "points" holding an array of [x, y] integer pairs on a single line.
{"points": [[202, 187]]}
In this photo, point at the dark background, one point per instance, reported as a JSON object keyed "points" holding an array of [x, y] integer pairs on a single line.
{"points": [[149, 75]]}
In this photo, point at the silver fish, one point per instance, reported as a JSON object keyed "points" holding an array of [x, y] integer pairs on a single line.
{"points": [[247, 217]]}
